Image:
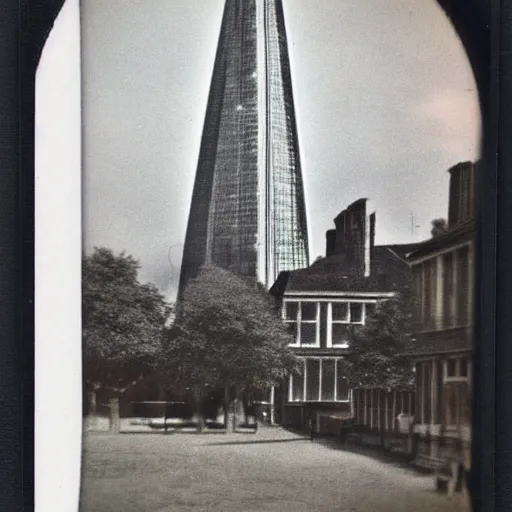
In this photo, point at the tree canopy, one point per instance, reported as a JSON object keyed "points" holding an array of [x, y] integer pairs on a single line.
{"points": [[228, 333], [377, 351], [123, 320]]}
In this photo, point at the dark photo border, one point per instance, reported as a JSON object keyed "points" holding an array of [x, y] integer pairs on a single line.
{"points": [[485, 29]]}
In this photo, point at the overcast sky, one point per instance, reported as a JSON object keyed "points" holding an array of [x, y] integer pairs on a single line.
{"points": [[385, 102]]}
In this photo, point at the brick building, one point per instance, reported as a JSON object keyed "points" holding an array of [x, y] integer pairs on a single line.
{"points": [[443, 280], [323, 305]]}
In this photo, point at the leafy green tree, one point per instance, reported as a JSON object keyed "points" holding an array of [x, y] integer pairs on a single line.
{"points": [[227, 333], [123, 324], [377, 357]]}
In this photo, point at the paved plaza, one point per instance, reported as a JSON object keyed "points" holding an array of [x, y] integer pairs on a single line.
{"points": [[271, 470]]}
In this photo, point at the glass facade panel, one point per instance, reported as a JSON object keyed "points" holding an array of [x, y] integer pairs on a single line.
{"points": [[312, 379], [248, 207], [328, 379]]}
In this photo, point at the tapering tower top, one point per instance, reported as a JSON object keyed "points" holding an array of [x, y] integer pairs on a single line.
{"points": [[248, 210]]}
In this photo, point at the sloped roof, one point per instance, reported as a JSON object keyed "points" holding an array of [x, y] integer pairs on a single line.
{"points": [[439, 342], [389, 271], [459, 234]]}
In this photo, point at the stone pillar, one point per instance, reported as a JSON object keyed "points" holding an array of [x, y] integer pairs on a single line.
{"points": [[434, 392], [439, 293]]}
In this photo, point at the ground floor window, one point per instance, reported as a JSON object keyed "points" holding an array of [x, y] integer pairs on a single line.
{"points": [[319, 379], [425, 387], [457, 406], [443, 391]]}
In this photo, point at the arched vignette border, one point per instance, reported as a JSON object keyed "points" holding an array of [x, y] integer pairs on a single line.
{"points": [[477, 26]]}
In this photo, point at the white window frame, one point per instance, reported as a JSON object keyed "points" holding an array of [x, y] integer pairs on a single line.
{"points": [[316, 321], [456, 379], [304, 382], [330, 320], [298, 341], [296, 321]]}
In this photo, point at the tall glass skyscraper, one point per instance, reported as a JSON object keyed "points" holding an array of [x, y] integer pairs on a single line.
{"points": [[248, 212]]}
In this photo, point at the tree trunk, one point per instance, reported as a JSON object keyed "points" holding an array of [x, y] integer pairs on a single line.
{"points": [[115, 420], [235, 410], [93, 403], [198, 396], [245, 403], [226, 408]]}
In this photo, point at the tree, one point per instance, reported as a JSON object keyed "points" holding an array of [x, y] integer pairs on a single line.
{"points": [[377, 357], [377, 352], [123, 324], [227, 333]]}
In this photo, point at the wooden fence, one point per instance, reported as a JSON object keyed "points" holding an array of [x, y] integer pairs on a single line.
{"points": [[378, 409]]}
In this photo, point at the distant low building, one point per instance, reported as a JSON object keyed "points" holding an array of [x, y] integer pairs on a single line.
{"points": [[443, 271], [323, 305]]}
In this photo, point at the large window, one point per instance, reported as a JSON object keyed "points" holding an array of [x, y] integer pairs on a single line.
{"points": [[312, 379], [343, 316], [452, 307], [448, 290], [424, 382], [456, 392], [462, 261], [297, 385], [425, 284], [320, 379], [430, 293], [302, 319]]}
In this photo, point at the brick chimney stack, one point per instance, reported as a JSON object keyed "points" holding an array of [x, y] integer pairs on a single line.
{"points": [[330, 242], [354, 236], [462, 193]]}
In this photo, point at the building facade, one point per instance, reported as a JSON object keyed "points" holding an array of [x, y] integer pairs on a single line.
{"points": [[324, 304], [443, 272], [247, 212]]}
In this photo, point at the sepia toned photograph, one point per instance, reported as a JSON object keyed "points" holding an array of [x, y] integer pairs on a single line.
{"points": [[279, 202]]}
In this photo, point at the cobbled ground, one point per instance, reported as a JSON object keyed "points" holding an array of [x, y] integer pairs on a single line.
{"points": [[271, 470]]}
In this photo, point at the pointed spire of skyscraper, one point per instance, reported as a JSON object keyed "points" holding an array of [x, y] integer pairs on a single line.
{"points": [[248, 212]]}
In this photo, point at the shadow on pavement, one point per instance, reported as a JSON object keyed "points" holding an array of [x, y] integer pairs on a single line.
{"points": [[395, 459], [260, 441]]}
